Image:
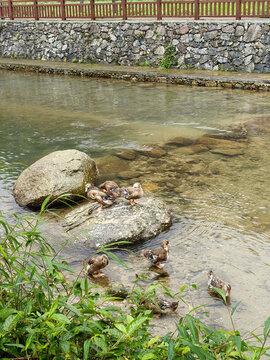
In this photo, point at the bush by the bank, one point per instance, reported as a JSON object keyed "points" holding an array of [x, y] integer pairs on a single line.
{"points": [[45, 316]]}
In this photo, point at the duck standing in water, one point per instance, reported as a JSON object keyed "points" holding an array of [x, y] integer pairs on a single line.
{"points": [[156, 256], [95, 264], [215, 281], [110, 188], [132, 193], [94, 193]]}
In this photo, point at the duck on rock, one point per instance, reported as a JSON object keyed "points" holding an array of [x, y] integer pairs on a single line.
{"points": [[110, 188], [156, 256], [215, 282], [94, 193], [95, 264], [132, 193]]}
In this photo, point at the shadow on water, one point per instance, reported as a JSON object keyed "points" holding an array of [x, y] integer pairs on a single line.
{"points": [[219, 193]]}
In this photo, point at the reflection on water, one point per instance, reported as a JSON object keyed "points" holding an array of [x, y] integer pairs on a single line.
{"points": [[220, 196]]}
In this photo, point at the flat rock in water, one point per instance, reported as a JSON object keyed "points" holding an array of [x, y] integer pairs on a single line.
{"points": [[212, 143], [154, 152], [121, 221], [131, 174], [227, 152], [55, 174], [179, 141], [127, 155]]}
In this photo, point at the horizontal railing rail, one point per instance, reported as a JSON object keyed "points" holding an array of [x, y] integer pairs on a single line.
{"points": [[128, 9]]}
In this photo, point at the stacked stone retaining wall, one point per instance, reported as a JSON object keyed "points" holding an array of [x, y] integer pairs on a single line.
{"points": [[210, 45]]}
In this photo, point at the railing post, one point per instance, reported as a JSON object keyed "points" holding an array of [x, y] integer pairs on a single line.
{"points": [[196, 14], [92, 5], [124, 7], [159, 15], [1, 11], [35, 9], [63, 9], [238, 9], [10, 10]]}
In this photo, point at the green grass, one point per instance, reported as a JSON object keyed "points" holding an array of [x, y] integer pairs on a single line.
{"points": [[43, 315]]}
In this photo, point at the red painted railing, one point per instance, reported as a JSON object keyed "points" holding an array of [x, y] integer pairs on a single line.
{"points": [[127, 9]]}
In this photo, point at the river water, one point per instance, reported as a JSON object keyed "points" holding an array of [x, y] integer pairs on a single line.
{"points": [[220, 203]]}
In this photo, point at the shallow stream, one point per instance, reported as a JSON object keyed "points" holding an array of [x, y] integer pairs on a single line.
{"points": [[220, 200]]}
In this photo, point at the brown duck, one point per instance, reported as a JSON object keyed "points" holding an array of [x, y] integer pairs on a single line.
{"points": [[132, 193], [215, 281], [110, 188], [94, 193], [156, 256], [95, 264]]}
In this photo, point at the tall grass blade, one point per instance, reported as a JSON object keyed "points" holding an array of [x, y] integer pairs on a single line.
{"points": [[221, 293], [235, 307], [45, 203], [116, 258], [266, 328], [193, 328], [86, 348], [171, 350]]}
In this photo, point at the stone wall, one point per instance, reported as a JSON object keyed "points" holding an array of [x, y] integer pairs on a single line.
{"points": [[211, 45]]}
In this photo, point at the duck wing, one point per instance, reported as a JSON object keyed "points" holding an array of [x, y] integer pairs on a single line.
{"points": [[156, 255], [94, 264], [104, 199], [126, 192], [160, 253], [150, 256], [108, 186], [130, 193], [215, 281]]}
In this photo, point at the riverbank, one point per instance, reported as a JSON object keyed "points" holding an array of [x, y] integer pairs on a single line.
{"points": [[204, 78]]}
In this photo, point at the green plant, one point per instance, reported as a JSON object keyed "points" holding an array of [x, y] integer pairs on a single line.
{"points": [[139, 36], [169, 57], [185, 66], [74, 60], [145, 63], [43, 315]]}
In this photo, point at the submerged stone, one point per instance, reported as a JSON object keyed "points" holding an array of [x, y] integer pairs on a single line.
{"points": [[154, 152], [118, 290], [180, 141], [127, 155], [213, 143], [227, 152]]}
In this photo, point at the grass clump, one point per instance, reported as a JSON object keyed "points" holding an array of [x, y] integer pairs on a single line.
{"points": [[169, 58], [43, 315]]}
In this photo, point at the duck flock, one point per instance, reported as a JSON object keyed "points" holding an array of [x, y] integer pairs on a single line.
{"points": [[105, 195], [109, 191]]}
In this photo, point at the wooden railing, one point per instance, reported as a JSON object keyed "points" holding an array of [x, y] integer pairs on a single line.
{"points": [[123, 9]]}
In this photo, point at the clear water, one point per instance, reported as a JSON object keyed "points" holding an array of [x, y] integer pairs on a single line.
{"points": [[221, 208]]}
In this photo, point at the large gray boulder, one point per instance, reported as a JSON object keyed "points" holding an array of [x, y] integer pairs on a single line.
{"points": [[121, 221], [58, 173]]}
